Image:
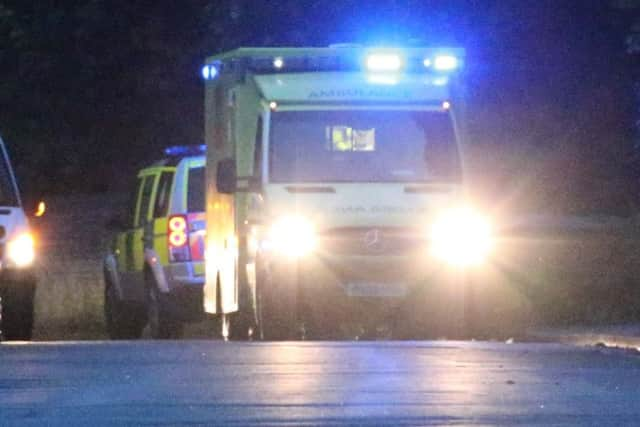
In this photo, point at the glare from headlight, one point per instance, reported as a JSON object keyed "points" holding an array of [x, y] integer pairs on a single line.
{"points": [[21, 251], [461, 237], [292, 236]]}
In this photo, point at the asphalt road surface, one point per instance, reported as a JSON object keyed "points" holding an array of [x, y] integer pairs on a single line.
{"points": [[316, 383]]}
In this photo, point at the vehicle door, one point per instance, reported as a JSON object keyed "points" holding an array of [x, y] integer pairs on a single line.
{"points": [[132, 263]]}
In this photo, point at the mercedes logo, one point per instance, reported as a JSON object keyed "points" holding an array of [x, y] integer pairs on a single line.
{"points": [[373, 240]]}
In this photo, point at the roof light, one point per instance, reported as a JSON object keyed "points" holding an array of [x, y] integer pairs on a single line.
{"points": [[427, 62], [278, 63], [384, 62], [445, 63], [185, 150], [446, 105], [209, 72]]}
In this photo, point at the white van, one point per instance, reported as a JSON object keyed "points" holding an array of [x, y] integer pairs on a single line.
{"points": [[17, 256]]}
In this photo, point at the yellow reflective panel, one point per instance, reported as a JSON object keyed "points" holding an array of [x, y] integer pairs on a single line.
{"points": [[346, 138], [198, 268]]}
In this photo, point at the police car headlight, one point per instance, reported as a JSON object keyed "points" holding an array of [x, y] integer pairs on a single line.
{"points": [[21, 250], [292, 236], [461, 237]]}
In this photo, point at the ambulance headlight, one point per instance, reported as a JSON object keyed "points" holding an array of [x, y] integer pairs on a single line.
{"points": [[21, 250], [461, 237], [293, 236]]}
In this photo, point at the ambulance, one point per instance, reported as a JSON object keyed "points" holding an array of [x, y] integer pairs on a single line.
{"points": [[334, 192]]}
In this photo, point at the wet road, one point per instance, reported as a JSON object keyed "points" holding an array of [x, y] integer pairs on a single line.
{"points": [[357, 383]]}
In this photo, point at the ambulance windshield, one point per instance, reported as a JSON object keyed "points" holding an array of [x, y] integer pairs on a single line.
{"points": [[362, 146]]}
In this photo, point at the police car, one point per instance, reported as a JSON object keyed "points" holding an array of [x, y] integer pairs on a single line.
{"points": [[154, 271], [17, 256]]}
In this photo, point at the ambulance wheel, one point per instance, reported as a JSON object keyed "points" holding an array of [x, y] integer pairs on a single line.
{"points": [[162, 325], [16, 313], [124, 321], [276, 311]]}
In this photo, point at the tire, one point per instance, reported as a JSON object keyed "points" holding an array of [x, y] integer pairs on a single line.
{"points": [[277, 310], [16, 313], [162, 325], [123, 321]]}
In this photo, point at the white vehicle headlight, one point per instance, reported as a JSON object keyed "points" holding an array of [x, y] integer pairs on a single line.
{"points": [[461, 237], [21, 250], [292, 236]]}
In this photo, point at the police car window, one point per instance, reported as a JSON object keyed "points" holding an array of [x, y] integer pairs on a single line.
{"points": [[195, 192], [132, 202], [145, 199], [163, 195]]}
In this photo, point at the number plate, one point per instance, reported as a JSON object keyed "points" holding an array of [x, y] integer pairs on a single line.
{"points": [[365, 289]]}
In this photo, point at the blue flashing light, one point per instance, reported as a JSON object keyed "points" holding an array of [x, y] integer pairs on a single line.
{"points": [[209, 72], [445, 63], [384, 62], [185, 150]]}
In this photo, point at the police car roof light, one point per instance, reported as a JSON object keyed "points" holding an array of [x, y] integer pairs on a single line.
{"points": [[185, 150]]}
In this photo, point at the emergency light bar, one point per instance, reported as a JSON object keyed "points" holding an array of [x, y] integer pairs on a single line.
{"points": [[373, 60], [445, 62], [383, 62], [185, 150]]}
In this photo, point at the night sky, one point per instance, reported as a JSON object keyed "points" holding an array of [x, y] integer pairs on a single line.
{"points": [[91, 89]]}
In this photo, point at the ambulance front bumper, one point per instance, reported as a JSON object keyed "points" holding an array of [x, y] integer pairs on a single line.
{"points": [[390, 277]]}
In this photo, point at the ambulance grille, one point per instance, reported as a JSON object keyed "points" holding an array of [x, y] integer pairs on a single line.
{"points": [[371, 241]]}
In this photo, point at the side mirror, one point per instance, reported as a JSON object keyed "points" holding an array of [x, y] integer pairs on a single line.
{"points": [[226, 176]]}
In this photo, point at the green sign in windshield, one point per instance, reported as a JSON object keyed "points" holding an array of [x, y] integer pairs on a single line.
{"points": [[362, 146]]}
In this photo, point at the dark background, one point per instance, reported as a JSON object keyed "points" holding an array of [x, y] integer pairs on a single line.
{"points": [[91, 89]]}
